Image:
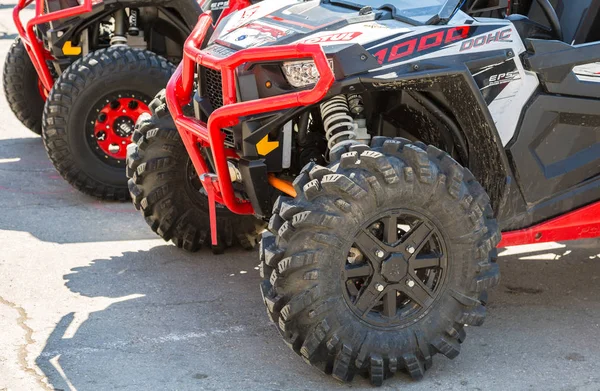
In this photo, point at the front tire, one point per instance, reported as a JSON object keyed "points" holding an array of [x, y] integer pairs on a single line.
{"points": [[91, 112], [380, 260], [22, 88], [165, 187]]}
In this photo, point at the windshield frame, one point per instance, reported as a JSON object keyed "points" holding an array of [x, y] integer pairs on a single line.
{"points": [[446, 10]]}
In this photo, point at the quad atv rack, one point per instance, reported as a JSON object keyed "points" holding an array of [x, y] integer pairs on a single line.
{"points": [[179, 93]]}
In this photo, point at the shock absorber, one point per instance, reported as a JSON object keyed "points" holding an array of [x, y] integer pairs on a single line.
{"points": [[133, 22], [340, 127], [119, 37]]}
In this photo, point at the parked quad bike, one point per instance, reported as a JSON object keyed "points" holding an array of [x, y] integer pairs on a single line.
{"points": [[82, 74], [402, 140]]}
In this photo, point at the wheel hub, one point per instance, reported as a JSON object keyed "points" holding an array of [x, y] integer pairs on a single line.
{"points": [[114, 123], [123, 126], [395, 268]]}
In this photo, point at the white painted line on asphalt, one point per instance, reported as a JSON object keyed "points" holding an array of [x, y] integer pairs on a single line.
{"points": [[115, 345]]}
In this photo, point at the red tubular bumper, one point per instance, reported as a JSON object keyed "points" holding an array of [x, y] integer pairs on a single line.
{"points": [[33, 45], [193, 132]]}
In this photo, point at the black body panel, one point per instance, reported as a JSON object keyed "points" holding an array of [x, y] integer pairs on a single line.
{"points": [[555, 158], [553, 61]]}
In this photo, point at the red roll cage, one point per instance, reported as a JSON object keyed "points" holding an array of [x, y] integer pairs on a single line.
{"points": [[34, 46]]}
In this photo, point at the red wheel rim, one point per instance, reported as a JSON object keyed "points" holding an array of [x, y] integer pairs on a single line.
{"points": [[114, 125]]}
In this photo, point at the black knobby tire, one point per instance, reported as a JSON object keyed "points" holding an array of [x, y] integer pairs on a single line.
{"points": [[165, 188], [76, 97], [302, 258], [21, 87]]}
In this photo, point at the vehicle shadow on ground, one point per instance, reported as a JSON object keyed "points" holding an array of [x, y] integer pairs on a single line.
{"points": [[29, 182], [172, 320], [177, 321]]}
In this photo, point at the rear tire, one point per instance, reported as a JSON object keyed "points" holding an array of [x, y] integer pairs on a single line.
{"points": [[377, 313], [21, 87], [72, 114], [166, 189]]}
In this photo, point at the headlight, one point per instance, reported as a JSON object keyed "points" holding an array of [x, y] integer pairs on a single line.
{"points": [[302, 73]]}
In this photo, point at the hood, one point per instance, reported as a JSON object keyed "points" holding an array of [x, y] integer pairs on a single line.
{"points": [[282, 22]]}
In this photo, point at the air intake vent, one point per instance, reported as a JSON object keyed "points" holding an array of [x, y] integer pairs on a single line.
{"points": [[213, 87]]}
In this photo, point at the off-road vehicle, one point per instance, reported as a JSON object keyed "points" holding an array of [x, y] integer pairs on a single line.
{"points": [[108, 59], [389, 143]]}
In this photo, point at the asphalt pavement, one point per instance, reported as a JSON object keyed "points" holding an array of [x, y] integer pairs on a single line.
{"points": [[90, 299]]}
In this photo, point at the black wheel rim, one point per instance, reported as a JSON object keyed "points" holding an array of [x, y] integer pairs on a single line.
{"points": [[395, 268]]}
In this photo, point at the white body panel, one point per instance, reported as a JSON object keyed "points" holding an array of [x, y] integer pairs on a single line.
{"points": [[255, 26]]}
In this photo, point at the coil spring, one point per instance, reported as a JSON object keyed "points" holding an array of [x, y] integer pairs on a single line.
{"points": [[339, 125]]}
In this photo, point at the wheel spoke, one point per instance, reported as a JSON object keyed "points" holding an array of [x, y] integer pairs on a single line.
{"points": [[390, 233], [352, 289], [369, 296], [389, 303], [417, 238], [357, 271], [419, 293], [370, 245], [425, 261]]}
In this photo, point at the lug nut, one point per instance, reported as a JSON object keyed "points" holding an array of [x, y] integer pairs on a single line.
{"points": [[379, 287], [379, 254], [410, 249], [410, 283], [102, 117]]}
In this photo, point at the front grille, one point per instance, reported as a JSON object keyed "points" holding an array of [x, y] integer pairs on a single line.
{"points": [[229, 138], [213, 87]]}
